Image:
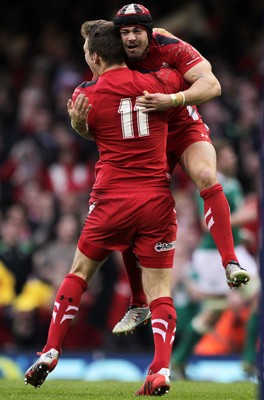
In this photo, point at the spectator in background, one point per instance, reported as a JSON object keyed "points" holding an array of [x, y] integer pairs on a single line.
{"points": [[69, 176], [43, 136], [50, 263], [43, 212], [205, 282], [23, 166], [17, 215], [16, 248]]}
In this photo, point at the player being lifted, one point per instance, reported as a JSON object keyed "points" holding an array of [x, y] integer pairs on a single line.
{"points": [[188, 141]]}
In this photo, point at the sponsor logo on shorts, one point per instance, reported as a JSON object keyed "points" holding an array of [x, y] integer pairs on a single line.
{"points": [[165, 246]]}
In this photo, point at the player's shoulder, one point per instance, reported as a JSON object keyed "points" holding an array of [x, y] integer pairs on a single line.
{"points": [[86, 84], [84, 88], [163, 37]]}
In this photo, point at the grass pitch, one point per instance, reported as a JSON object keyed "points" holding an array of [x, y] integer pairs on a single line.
{"points": [[79, 390]]}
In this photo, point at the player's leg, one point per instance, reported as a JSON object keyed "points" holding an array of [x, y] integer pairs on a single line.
{"points": [[138, 311], [166, 221], [138, 297], [165, 227], [66, 306], [199, 161], [155, 247], [156, 283]]}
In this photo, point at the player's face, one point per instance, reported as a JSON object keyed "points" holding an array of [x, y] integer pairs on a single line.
{"points": [[135, 40]]}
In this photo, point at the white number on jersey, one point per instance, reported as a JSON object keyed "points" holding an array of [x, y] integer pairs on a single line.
{"points": [[125, 109]]}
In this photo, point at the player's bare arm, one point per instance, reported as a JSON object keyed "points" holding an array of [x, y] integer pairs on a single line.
{"points": [[206, 85], [203, 87], [78, 112]]}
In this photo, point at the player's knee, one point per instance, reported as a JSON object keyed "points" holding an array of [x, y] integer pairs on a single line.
{"points": [[205, 178]]}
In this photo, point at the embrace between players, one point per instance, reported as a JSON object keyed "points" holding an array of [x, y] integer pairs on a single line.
{"points": [[140, 109]]}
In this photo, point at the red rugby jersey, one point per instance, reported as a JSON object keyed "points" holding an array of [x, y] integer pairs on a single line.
{"points": [[132, 145], [166, 51]]}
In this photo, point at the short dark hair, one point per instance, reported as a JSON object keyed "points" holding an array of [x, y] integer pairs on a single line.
{"points": [[104, 40], [87, 26]]}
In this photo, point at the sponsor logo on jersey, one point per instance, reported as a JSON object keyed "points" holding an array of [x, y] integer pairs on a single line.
{"points": [[165, 246]]}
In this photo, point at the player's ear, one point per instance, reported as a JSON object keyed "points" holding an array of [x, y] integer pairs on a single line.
{"points": [[95, 58]]}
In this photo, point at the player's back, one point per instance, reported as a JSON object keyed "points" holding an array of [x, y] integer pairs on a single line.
{"points": [[132, 144]]}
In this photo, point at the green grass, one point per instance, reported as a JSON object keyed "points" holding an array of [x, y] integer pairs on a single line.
{"points": [[79, 390]]}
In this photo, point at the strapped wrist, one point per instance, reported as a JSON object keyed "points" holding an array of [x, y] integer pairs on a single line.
{"points": [[174, 99], [178, 99]]}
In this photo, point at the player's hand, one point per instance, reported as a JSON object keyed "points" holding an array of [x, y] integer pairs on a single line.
{"points": [[154, 102], [78, 112]]}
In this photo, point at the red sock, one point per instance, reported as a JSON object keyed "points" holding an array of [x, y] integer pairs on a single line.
{"points": [[138, 297], [66, 306], [163, 321], [217, 218]]}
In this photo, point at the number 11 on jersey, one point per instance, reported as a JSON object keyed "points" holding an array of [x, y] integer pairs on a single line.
{"points": [[126, 110]]}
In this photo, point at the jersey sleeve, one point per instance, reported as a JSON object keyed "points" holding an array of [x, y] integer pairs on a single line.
{"points": [[177, 53], [83, 88], [188, 57]]}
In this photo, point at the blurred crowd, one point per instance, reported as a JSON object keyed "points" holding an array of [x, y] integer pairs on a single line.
{"points": [[47, 170]]}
